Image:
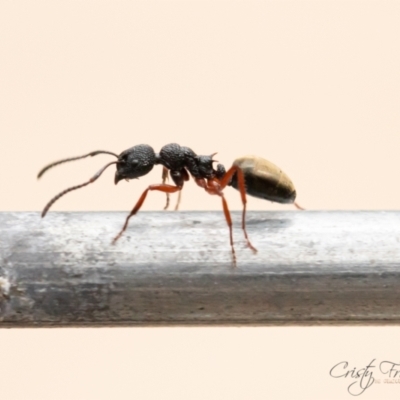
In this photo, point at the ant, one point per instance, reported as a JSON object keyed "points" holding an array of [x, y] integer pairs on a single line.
{"points": [[254, 175]]}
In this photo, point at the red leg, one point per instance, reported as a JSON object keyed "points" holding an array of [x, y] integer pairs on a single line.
{"points": [[202, 183], [186, 177], [229, 222], [179, 200], [212, 186], [164, 179], [298, 206], [161, 187], [242, 188]]}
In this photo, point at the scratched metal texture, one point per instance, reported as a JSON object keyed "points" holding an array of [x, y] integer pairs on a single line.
{"points": [[175, 268]]}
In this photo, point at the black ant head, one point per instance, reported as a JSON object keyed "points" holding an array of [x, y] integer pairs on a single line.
{"points": [[135, 162]]}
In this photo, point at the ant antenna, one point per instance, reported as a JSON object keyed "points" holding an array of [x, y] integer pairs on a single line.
{"points": [[91, 180], [93, 153]]}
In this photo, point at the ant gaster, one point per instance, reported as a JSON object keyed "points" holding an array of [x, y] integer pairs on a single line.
{"points": [[181, 161]]}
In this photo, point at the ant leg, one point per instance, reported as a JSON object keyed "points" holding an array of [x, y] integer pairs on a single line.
{"points": [[212, 186], [242, 188], [161, 187], [229, 222], [164, 179], [178, 201], [186, 177], [298, 206]]}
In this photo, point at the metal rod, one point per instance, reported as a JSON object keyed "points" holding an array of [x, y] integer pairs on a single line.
{"points": [[175, 268]]}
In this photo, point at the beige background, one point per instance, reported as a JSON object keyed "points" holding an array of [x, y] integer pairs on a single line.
{"points": [[312, 86]]}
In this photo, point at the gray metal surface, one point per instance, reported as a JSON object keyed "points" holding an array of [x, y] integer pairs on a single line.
{"points": [[175, 268]]}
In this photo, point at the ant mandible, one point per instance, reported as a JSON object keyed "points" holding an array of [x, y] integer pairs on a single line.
{"points": [[180, 161]]}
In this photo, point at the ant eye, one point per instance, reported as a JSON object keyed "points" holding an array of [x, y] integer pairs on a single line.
{"points": [[134, 162]]}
